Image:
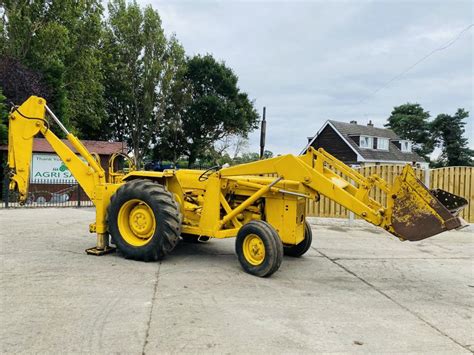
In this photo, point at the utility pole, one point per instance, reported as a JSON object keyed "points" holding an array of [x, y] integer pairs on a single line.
{"points": [[263, 131]]}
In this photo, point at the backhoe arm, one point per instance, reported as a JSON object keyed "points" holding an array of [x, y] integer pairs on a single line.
{"points": [[24, 123]]}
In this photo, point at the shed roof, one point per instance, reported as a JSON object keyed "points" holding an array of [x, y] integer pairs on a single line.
{"points": [[41, 145]]}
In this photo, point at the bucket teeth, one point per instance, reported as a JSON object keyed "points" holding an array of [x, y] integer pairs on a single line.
{"points": [[452, 202]]}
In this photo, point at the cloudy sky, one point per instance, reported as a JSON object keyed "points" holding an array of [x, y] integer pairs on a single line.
{"points": [[308, 61]]}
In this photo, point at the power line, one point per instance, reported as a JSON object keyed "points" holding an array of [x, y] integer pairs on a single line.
{"points": [[398, 76]]}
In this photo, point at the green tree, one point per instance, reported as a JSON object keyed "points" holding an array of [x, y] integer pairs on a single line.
{"points": [[267, 154], [410, 121], [60, 39], [448, 133], [171, 141], [3, 30], [247, 158], [140, 65], [3, 119], [19, 82], [209, 108], [252, 156]]}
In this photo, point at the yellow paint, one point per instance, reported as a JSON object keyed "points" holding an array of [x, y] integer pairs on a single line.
{"points": [[253, 249], [274, 190], [136, 222]]}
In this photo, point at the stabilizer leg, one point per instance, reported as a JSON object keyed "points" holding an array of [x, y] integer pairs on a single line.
{"points": [[102, 247]]}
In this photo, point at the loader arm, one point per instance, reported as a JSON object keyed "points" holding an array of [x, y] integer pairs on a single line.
{"points": [[25, 122], [412, 212]]}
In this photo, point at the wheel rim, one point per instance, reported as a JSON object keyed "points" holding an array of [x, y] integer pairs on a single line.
{"points": [[136, 222], [254, 249]]}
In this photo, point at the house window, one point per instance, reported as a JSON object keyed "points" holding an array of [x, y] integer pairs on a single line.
{"points": [[405, 146], [382, 143], [366, 142]]}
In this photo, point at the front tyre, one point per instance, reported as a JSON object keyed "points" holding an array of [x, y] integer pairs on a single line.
{"points": [[144, 220], [259, 248]]}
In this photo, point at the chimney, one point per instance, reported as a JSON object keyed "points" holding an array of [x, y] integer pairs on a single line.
{"points": [[353, 122], [370, 124]]}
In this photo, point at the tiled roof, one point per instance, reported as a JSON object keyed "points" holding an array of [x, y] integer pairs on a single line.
{"points": [[351, 129], [393, 154], [41, 145]]}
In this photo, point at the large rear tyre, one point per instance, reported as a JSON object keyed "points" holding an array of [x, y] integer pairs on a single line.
{"points": [[259, 248], [144, 220], [301, 248]]}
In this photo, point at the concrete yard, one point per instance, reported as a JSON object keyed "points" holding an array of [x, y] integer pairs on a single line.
{"points": [[357, 290]]}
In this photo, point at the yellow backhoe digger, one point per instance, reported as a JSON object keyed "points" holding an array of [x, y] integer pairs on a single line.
{"points": [[263, 204]]}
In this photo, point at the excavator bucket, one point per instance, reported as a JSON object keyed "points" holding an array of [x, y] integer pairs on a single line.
{"points": [[418, 213]]}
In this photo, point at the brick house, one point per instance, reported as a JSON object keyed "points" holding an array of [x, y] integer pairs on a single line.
{"points": [[362, 145]]}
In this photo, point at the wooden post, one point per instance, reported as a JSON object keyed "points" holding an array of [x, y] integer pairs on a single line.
{"points": [[351, 214], [427, 177]]}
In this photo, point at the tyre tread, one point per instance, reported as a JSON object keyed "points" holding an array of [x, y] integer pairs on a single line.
{"points": [[167, 213], [274, 248]]}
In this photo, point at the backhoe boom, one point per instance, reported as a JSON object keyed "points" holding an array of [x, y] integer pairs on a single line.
{"points": [[25, 123]]}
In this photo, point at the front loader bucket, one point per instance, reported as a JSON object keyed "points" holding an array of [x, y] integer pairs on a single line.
{"points": [[418, 213]]}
